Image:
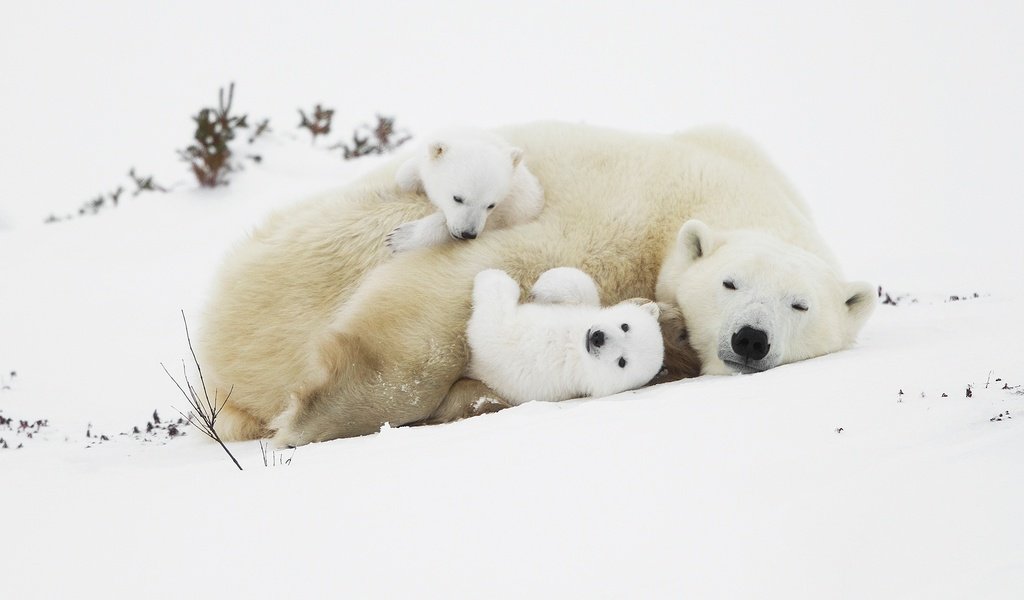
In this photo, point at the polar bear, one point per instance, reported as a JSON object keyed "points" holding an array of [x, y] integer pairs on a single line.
{"points": [[557, 351], [473, 177], [312, 305], [754, 302]]}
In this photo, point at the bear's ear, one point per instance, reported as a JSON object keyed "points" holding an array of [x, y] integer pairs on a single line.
{"points": [[436, 150], [517, 157], [695, 240], [646, 304], [652, 309], [860, 303]]}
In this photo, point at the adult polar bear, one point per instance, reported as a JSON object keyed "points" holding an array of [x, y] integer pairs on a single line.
{"points": [[320, 333]]}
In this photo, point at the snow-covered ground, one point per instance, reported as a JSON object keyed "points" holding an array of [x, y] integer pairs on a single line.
{"points": [[899, 122]]}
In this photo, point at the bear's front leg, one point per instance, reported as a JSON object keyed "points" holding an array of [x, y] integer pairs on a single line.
{"points": [[408, 176], [495, 296], [422, 233]]}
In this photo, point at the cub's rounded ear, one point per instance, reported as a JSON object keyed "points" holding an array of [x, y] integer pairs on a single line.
{"points": [[652, 309], [517, 157], [860, 303], [695, 240], [436, 150]]}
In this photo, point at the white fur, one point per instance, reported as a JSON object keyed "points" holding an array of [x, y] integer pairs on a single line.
{"points": [[546, 352], [773, 280], [474, 178], [565, 285]]}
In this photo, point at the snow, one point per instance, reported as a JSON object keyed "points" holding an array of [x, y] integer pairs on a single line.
{"points": [[899, 123]]}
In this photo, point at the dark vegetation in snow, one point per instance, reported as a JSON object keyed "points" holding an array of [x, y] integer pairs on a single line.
{"points": [[379, 138], [155, 430], [887, 298], [210, 154], [214, 154], [319, 121], [143, 183], [18, 428], [988, 389]]}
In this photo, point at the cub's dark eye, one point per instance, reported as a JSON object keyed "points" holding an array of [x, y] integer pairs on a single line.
{"points": [[457, 199], [799, 306], [491, 207], [728, 284], [622, 363], [625, 326]]}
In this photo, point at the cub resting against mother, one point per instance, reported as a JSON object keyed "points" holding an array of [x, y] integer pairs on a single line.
{"points": [[313, 312]]}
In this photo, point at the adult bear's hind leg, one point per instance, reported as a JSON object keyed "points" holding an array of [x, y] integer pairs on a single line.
{"points": [[466, 398]]}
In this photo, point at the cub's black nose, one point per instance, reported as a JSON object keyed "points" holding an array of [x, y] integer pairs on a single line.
{"points": [[468, 235], [750, 343], [597, 338]]}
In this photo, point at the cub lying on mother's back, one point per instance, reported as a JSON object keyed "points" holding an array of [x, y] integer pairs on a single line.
{"points": [[552, 352], [473, 177]]}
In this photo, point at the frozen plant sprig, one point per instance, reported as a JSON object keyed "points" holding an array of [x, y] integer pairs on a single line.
{"points": [[204, 410]]}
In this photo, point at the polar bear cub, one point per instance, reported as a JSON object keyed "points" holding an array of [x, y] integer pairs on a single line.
{"points": [[474, 178], [559, 350]]}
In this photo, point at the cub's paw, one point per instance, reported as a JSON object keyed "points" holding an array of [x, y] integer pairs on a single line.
{"points": [[403, 238], [496, 281], [565, 285]]}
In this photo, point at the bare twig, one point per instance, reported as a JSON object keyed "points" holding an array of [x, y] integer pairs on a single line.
{"points": [[272, 456], [204, 410], [144, 184], [261, 128]]}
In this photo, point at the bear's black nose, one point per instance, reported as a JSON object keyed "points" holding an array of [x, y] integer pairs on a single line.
{"points": [[750, 343], [597, 338], [468, 235]]}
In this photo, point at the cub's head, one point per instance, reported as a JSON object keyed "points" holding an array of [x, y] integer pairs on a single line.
{"points": [[467, 179], [752, 302], [622, 348]]}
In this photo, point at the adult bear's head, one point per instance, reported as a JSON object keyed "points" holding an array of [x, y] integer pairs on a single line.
{"points": [[753, 302]]}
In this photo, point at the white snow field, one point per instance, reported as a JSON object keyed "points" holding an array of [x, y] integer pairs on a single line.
{"points": [[868, 473]]}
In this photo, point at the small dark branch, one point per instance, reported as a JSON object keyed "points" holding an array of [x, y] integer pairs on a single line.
{"points": [[272, 457], [204, 410], [92, 206], [989, 380], [115, 196], [378, 139], [319, 123], [262, 127], [144, 184], [388, 138]]}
